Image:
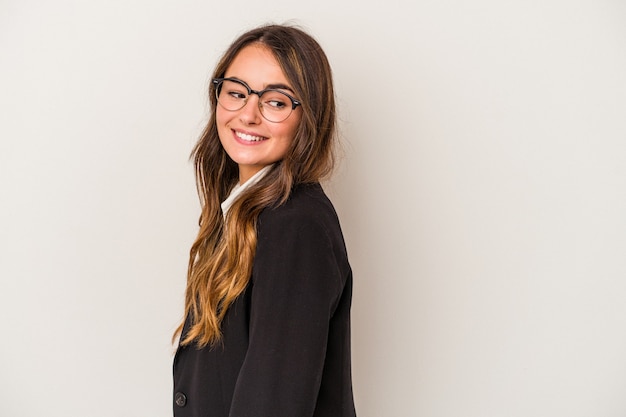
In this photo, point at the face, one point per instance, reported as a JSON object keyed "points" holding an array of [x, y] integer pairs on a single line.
{"points": [[249, 139]]}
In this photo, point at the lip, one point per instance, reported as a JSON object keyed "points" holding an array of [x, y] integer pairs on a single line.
{"points": [[237, 136]]}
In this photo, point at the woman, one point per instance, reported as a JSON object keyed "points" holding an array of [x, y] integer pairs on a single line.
{"points": [[267, 307]]}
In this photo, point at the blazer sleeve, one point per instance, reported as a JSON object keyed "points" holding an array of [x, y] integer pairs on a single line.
{"points": [[297, 282]]}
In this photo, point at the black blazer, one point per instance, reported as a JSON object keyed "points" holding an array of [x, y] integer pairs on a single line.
{"points": [[286, 339]]}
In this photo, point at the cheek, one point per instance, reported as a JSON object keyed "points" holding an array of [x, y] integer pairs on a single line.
{"points": [[284, 138], [220, 117], [289, 129], [221, 121]]}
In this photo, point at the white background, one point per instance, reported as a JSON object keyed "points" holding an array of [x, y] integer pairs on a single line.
{"points": [[482, 195]]}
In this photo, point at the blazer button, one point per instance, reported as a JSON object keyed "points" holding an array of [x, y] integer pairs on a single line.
{"points": [[180, 399]]}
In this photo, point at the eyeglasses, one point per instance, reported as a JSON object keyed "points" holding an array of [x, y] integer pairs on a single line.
{"points": [[275, 105]]}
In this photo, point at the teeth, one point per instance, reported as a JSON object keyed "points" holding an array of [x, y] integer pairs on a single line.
{"points": [[249, 138]]}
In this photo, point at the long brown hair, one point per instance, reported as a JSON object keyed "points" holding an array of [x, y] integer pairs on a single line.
{"points": [[221, 258]]}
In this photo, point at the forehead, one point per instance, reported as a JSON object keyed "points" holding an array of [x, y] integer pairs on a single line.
{"points": [[256, 65]]}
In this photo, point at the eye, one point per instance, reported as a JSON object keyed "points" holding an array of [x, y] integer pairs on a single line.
{"points": [[238, 95], [275, 100], [234, 90], [275, 104]]}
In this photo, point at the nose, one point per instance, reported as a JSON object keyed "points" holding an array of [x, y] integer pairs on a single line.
{"points": [[250, 113]]}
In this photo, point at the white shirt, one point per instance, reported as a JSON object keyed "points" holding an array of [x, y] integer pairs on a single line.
{"points": [[240, 188]]}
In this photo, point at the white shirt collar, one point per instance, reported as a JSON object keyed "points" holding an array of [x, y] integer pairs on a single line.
{"points": [[240, 188]]}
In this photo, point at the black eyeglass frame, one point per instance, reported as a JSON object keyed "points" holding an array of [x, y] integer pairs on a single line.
{"points": [[216, 83]]}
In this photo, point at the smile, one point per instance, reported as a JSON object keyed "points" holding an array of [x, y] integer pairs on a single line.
{"points": [[249, 138]]}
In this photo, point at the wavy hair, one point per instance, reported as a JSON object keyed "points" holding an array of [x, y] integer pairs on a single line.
{"points": [[221, 257]]}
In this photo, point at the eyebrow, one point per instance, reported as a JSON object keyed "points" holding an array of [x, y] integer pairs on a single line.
{"points": [[278, 86]]}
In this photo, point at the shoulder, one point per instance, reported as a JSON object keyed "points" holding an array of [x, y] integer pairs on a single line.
{"points": [[300, 243], [307, 220], [307, 206]]}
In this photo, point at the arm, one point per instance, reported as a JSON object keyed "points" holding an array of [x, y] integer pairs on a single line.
{"points": [[296, 284]]}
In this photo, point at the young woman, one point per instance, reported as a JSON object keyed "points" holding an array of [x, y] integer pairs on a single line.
{"points": [[267, 307]]}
